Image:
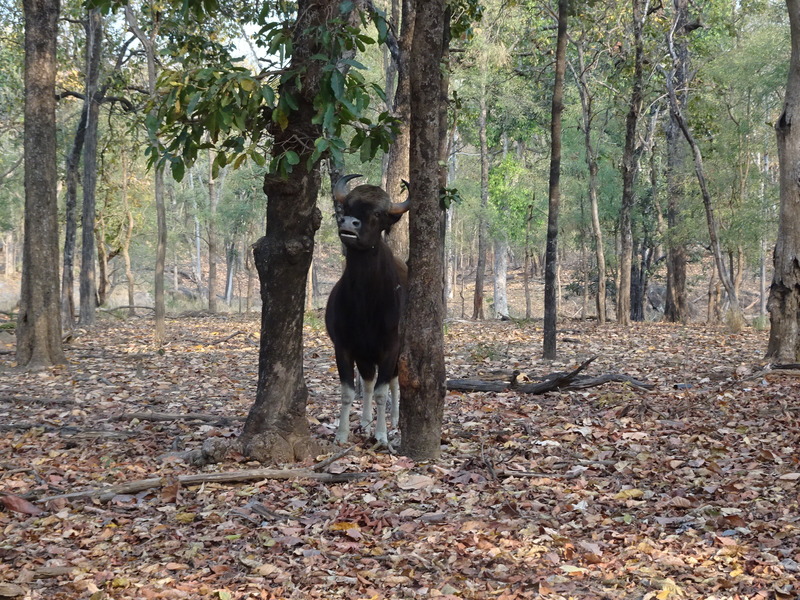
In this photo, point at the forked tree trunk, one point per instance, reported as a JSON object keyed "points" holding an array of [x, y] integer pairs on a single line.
{"points": [[784, 293], [71, 222], [551, 287], [422, 372], [39, 320]]}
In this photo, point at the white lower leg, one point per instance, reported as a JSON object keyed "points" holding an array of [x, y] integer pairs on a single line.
{"points": [[343, 430], [366, 408], [394, 386], [381, 395]]}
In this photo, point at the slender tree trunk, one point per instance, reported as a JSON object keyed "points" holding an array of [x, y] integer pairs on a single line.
{"points": [[711, 220], [587, 103], [422, 371], [483, 227], [397, 166], [71, 221], [39, 320], [213, 199], [676, 308], [784, 293], [87, 278], [630, 169], [527, 264], [554, 194], [148, 42], [126, 241]]}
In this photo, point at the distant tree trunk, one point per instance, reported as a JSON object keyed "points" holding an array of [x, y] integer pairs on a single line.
{"points": [[587, 102], [39, 320], [398, 156], [554, 194], [148, 42], [276, 428], [500, 273], [213, 199], [126, 241], [483, 227], [422, 369], [629, 169], [230, 270], [87, 277], [71, 221], [784, 293], [102, 259], [711, 220], [527, 264], [676, 308]]}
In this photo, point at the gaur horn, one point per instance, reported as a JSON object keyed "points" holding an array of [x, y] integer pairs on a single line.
{"points": [[398, 208], [340, 189]]}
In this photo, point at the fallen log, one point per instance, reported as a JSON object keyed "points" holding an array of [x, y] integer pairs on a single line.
{"points": [[561, 381]]}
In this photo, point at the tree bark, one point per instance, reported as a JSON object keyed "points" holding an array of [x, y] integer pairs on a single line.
{"points": [[676, 308], [126, 240], [397, 167], [483, 228], [213, 198], [148, 42], [587, 102], [711, 220], [276, 428], [784, 293], [39, 322], [554, 193], [422, 371], [71, 222], [87, 283], [630, 169]]}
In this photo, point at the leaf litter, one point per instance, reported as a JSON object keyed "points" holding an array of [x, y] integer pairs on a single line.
{"points": [[686, 491]]}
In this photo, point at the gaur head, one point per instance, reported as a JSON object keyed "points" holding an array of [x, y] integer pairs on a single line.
{"points": [[364, 213]]}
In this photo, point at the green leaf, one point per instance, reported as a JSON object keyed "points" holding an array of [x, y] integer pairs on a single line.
{"points": [[292, 158], [337, 84]]}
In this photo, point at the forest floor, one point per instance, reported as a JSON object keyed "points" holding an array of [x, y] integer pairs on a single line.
{"points": [[686, 491]]}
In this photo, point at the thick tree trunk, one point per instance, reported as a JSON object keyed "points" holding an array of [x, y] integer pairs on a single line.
{"points": [[87, 277], [276, 428], [554, 194], [422, 372], [784, 293], [483, 227], [39, 322]]}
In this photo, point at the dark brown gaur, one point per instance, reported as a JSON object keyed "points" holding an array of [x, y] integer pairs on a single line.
{"points": [[365, 307]]}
